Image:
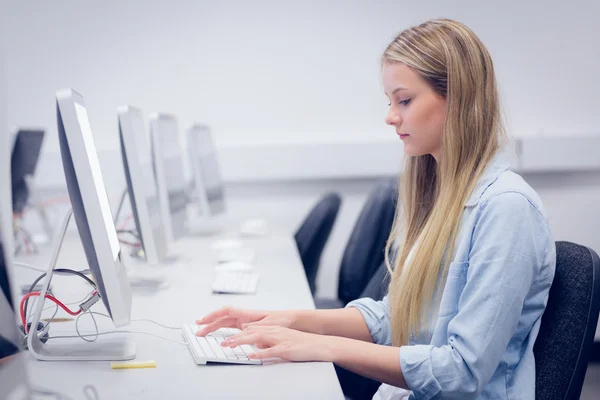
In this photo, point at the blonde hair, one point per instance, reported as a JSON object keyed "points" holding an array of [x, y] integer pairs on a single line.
{"points": [[456, 64]]}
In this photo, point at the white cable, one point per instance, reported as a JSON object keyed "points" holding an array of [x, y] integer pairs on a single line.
{"points": [[83, 337], [89, 391], [28, 266], [39, 391], [94, 392], [175, 328], [47, 326], [115, 332]]}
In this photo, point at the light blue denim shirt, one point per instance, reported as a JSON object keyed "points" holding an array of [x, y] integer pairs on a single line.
{"points": [[480, 345]]}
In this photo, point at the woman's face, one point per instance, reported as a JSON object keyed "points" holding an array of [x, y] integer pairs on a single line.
{"points": [[416, 112]]}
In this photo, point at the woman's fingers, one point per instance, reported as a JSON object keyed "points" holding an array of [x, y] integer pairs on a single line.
{"points": [[216, 315], [271, 352], [226, 322], [251, 338]]}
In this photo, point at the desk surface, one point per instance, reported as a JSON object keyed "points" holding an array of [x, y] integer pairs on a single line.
{"points": [[188, 296]]}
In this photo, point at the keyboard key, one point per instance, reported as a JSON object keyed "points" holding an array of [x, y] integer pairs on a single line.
{"points": [[218, 350], [205, 347], [247, 349]]}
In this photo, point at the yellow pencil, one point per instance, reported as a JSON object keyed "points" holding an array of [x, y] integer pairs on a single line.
{"points": [[57, 319], [133, 364]]}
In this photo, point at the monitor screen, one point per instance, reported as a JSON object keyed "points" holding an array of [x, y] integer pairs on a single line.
{"points": [[168, 166], [24, 160], [206, 164], [173, 164]]}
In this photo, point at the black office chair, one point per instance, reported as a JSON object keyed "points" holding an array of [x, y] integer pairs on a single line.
{"points": [[312, 235], [354, 386], [364, 251], [564, 343], [377, 287]]}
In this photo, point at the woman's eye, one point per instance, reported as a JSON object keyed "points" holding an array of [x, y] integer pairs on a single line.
{"points": [[404, 102]]}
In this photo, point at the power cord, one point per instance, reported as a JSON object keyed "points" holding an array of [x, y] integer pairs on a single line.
{"points": [[60, 271], [44, 332], [28, 266], [89, 391], [97, 334]]}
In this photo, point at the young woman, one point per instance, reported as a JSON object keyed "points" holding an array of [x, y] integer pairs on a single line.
{"points": [[471, 278]]}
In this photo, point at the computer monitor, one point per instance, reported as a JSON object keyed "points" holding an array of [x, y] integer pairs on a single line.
{"points": [[97, 234], [141, 185], [24, 160], [207, 179], [90, 205], [168, 171]]}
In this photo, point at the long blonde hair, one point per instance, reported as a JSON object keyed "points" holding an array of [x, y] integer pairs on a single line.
{"points": [[455, 63]]}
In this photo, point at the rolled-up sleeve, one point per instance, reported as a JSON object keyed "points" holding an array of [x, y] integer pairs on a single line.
{"points": [[509, 245], [377, 318]]}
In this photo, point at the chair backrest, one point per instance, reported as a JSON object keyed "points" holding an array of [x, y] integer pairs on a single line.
{"points": [[364, 252], [377, 287], [564, 343], [312, 235]]}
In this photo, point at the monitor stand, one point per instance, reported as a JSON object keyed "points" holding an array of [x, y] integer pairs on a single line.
{"points": [[202, 225], [118, 349]]}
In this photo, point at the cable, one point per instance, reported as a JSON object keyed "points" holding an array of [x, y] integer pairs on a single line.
{"points": [[28, 266], [49, 297], [125, 221], [95, 325], [89, 391], [115, 332], [120, 207], [178, 328], [39, 391], [94, 392], [60, 271], [71, 303], [132, 232], [132, 244], [47, 326]]}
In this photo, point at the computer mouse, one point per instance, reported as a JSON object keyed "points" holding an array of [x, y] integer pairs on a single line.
{"points": [[234, 266], [254, 227], [244, 254], [226, 244]]}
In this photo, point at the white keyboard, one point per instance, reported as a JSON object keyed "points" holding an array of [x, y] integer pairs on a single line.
{"points": [[208, 348], [235, 283]]}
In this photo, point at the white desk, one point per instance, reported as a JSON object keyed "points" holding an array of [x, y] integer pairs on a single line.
{"points": [[282, 285]]}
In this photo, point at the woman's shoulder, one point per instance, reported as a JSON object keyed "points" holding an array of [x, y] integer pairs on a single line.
{"points": [[512, 191]]}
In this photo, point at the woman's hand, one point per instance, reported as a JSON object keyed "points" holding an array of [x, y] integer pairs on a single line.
{"points": [[229, 317], [285, 343]]}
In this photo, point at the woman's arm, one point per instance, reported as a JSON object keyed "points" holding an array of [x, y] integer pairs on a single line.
{"points": [[344, 322], [375, 361], [381, 363]]}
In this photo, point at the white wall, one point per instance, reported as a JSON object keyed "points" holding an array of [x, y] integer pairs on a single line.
{"points": [[265, 74], [267, 71]]}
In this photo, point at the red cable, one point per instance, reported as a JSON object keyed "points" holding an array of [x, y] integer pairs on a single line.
{"points": [[49, 297], [125, 221], [132, 244], [27, 247]]}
